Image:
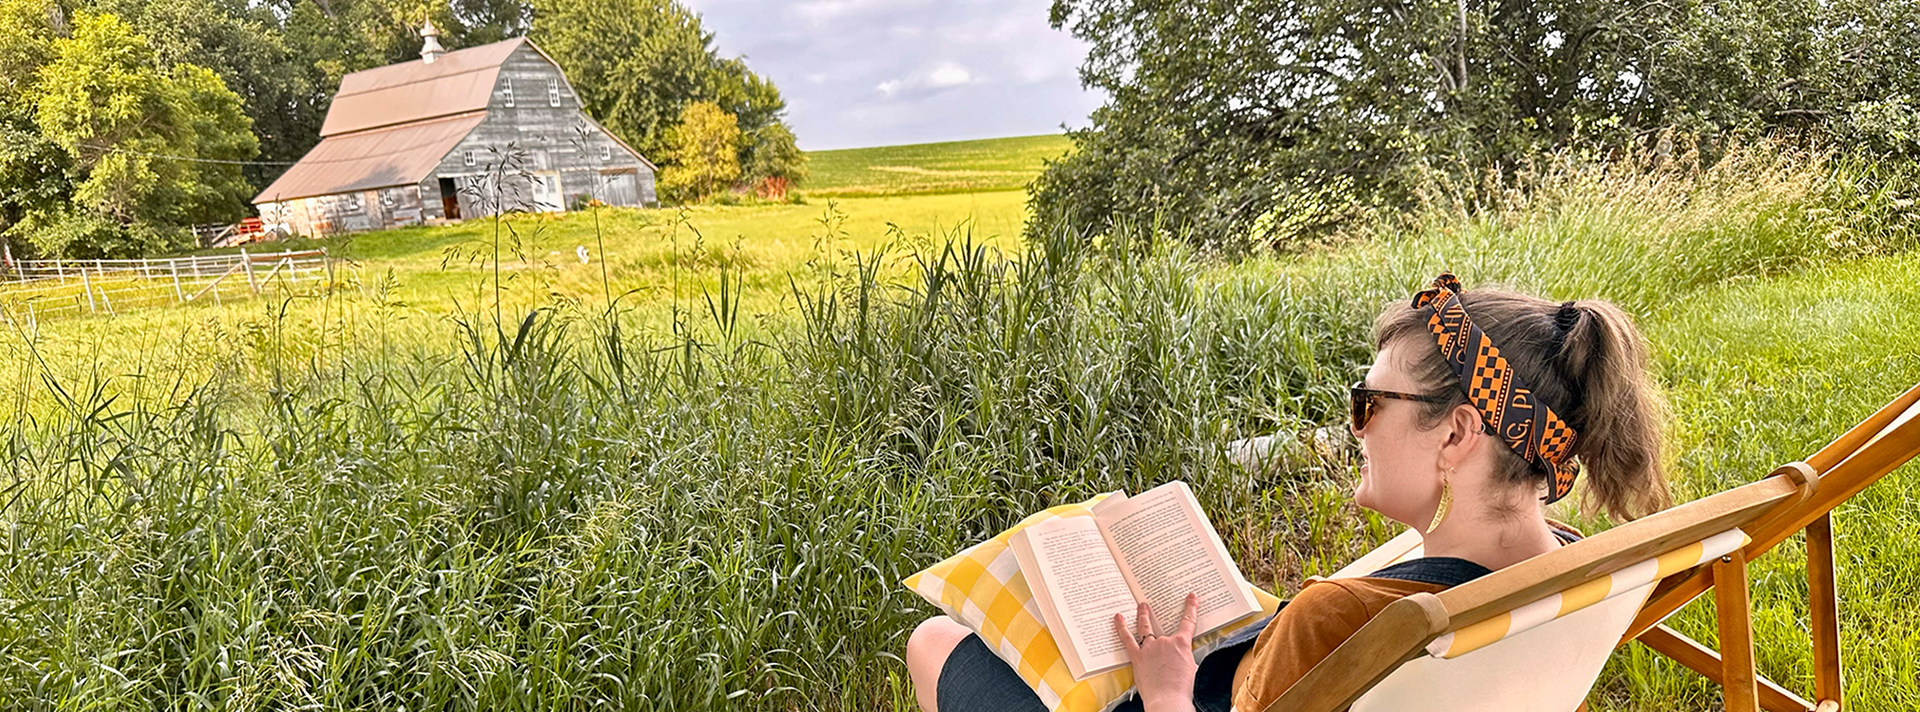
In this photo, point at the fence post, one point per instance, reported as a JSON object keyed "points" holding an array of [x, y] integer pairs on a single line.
{"points": [[173, 265], [87, 284], [248, 262]]}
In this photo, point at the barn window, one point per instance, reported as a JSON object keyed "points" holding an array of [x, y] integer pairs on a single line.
{"points": [[553, 92], [469, 158], [506, 90], [606, 153]]}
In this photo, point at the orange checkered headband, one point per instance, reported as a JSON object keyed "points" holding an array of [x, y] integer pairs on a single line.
{"points": [[1506, 404]]}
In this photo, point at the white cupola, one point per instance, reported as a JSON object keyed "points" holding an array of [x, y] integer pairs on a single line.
{"points": [[430, 50]]}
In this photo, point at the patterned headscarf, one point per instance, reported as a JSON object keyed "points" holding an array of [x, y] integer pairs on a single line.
{"points": [[1505, 402]]}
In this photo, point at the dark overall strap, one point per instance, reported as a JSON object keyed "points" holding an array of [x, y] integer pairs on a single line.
{"points": [[1437, 570]]}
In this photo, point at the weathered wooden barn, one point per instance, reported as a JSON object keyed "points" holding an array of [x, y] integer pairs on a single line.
{"points": [[454, 135]]}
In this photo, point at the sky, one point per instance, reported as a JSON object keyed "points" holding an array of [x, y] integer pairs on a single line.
{"points": [[885, 72]]}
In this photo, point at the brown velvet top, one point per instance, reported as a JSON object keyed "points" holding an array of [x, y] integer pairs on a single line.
{"points": [[1323, 615], [1307, 630]]}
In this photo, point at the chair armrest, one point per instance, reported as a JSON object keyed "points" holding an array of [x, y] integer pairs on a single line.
{"points": [[1400, 633]]}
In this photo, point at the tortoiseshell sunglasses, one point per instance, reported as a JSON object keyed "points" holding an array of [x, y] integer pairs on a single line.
{"points": [[1364, 398]]}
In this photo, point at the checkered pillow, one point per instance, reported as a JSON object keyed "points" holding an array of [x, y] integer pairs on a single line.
{"points": [[983, 589]]}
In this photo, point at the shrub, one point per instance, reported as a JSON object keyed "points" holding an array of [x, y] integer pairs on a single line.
{"points": [[704, 148]]}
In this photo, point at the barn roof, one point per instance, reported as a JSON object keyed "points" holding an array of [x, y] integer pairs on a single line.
{"points": [[391, 125], [375, 158], [455, 83]]}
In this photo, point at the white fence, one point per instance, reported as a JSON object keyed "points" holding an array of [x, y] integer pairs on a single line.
{"points": [[48, 289]]}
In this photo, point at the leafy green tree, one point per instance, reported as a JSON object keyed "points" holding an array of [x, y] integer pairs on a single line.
{"points": [[753, 99], [32, 169], [1254, 122], [148, 148], [282, 90], [773, 158], [705, 148], [639, 63]]}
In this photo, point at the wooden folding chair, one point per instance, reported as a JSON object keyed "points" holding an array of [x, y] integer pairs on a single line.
{"points": [[1532, 636], [1857, 459], [1546, 608]]}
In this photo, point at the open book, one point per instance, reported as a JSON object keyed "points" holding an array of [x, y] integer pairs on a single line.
{"points": [[1153, 548]]}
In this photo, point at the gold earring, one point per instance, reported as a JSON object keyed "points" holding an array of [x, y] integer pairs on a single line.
{"points": [[1446, 502]]}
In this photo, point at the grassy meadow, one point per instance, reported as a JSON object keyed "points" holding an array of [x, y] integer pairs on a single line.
{"points": [[380, 497], [928, 168]]}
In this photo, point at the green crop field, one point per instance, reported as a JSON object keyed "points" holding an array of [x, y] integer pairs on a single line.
{"points": [[379, 497], [951, 167]]}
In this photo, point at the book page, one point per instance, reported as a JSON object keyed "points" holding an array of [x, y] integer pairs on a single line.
{"points": [[1168, 549], [1078, 587]]}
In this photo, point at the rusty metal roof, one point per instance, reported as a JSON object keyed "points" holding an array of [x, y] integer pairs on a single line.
{"points": [[391, 125], [377, 158], [455, 83]]}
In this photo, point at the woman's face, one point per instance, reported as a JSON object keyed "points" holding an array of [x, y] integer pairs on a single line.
{"points": [[1400, 460]]}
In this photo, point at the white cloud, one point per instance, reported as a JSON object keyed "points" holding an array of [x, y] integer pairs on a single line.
{"points": [[948, 74]]}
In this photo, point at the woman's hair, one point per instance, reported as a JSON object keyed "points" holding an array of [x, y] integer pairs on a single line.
{"points": [[1593, 374]]}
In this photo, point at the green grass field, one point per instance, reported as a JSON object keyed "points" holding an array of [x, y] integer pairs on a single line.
{"points": [[371, 498], [952, 167]]}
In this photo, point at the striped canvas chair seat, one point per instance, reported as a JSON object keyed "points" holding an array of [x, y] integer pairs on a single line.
{"points": [[1494, 665]]}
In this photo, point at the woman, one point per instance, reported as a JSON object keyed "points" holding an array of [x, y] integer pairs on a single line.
{"points": [[1470, 419]]}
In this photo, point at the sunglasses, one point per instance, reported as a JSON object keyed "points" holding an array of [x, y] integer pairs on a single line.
{"points": [[1365, 399]]}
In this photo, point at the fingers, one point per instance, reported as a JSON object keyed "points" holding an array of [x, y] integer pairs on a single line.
{"points": [[1126, 636], [1145, 619], [1189, 617]]}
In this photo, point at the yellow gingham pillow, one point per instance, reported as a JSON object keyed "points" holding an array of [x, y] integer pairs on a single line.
{"points": [[983, 589]]}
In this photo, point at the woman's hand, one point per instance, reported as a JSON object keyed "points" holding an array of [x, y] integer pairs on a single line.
{"points": [[1163, 666]]}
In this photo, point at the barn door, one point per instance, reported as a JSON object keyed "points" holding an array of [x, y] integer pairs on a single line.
{"points": [[546, 193], [621, 188], [449, 199]]}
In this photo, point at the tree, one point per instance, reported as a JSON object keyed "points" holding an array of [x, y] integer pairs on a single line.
{"points": [[149, 149], [1228, 118], [774, 162], [283, 90], [33, 170], [705, 147], [638, 64]]}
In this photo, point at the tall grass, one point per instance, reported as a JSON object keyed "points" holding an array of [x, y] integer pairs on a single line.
{"points": [[560, 514]]}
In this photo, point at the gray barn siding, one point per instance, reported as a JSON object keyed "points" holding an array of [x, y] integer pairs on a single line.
{"points": [[550, 139], [376, 209]]}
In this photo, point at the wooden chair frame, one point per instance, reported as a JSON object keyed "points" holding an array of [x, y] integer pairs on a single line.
{"points": [[1851, 463], [1796, 497]]}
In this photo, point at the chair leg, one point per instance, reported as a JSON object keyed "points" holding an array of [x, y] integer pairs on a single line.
{"points": [[1736, 633], [1824, 612], [1701, 659]]}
